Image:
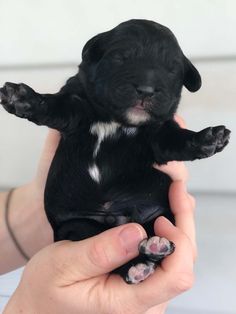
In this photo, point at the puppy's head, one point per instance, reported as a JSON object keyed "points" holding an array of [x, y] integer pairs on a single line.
{"points": [[135, 72]]}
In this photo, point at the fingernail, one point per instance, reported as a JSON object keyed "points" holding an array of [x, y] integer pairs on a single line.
{"points": [[164, 219], [130, 238]]}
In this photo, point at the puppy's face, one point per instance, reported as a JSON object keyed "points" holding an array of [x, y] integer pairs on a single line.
{"points": [[135, 72]]}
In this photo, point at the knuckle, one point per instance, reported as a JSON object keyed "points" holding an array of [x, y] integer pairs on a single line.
{"points": [[181, 240], [184, 282]]}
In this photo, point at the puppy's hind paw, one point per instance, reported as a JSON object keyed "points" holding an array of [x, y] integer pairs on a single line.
{"points": [[156, 248], [140, 272]]}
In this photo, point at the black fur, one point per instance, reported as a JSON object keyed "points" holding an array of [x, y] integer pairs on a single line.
{"points": [[129, 83]]}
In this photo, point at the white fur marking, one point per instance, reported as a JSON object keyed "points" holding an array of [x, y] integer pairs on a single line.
{"points": [[94, 173], [103, 130], [136, 118]]}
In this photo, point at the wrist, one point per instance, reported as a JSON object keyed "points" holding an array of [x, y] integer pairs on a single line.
{"points": [[28, 219], [28, 223]]}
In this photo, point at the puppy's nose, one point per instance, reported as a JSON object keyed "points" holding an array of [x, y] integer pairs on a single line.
{"points": [[145, 90]]}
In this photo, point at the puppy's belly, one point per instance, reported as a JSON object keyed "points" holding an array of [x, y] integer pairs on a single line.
{"points": [[139, 200]]}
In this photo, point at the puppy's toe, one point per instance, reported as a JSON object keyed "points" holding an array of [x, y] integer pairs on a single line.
{"points": [[156, 248], [222, 134], [140, 272]]}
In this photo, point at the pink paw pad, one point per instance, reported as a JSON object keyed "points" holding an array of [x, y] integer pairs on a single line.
{"points": [[140, 272], [156, 248]]}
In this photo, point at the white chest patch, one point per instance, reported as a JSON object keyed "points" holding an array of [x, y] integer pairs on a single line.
{"points": [[94, 173], [102, 131], [136, 117]]}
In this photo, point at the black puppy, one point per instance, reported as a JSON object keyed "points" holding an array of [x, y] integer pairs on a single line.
{"points": [[116, 119]]}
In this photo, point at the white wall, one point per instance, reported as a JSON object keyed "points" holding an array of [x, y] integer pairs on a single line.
{"points": [[55, 31], [41, 43]]}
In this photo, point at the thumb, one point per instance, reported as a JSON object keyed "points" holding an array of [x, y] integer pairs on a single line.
{"points": [[97, 255]]}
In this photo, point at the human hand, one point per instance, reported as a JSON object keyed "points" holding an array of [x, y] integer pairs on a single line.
{"points": [[36, 190], [73, 277], [26, 208], [178, 172]]}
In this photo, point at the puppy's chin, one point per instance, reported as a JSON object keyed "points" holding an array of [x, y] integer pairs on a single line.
{"points": [[136, 116]]}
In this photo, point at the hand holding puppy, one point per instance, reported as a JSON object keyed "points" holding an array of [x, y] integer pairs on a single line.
{"points": [[72, 277]]}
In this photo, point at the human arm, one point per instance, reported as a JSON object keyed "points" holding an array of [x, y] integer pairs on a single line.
{"points": [[30, 227], [26, 214]]}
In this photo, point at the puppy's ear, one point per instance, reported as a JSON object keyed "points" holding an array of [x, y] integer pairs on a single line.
{"points": [[94, 48], [192, 78]]}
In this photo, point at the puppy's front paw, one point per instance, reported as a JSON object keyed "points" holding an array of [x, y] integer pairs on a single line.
{"points": [[156, 248], [19, 99], [210, 141]]}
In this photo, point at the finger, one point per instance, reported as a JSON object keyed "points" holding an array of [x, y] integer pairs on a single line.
{"points": [[180, 121], [164, 228], [182, 206], [176, 272], [98, 255], [160, 309], [175, 169]]}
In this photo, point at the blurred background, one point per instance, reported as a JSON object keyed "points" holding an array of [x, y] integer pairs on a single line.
{"points": [[41, 44]]}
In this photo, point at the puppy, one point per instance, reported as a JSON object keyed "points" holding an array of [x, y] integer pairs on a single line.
{"points": [[116, 119]]}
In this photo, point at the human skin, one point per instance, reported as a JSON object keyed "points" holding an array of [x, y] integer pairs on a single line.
{"points": [[27, 209]]}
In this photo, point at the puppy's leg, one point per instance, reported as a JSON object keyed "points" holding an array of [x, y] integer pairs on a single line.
{"points": [[173, 143], [140, 272], [156, 248], [152, 251], [56, 111]]}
